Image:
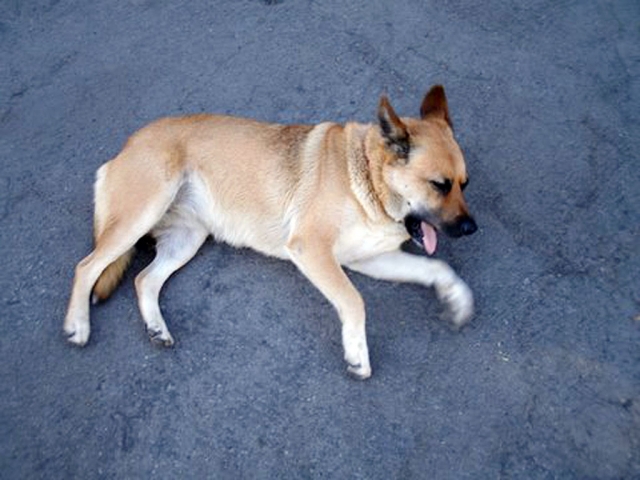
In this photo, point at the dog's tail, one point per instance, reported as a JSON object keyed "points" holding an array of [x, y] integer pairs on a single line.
{"points": [[111, 276]]}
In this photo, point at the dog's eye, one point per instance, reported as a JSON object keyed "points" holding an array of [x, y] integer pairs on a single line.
{"points": [[443, 187], [464, 184]]}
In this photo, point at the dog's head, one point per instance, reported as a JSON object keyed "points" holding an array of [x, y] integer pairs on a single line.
{"points": [[425, 171]]}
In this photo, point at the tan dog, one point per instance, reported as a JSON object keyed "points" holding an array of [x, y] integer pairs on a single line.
{"points": [[321, 196]]}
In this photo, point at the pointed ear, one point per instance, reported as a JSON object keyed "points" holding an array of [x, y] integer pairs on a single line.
{"points": [[435, 104], [393, 130]]}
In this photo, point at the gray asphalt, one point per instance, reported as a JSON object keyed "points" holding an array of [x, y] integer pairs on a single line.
{"points": [[545, 383]]}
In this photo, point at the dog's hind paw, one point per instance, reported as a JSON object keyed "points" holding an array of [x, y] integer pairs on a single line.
{"points": [[160, 338], [459, 299], [77, 334]]}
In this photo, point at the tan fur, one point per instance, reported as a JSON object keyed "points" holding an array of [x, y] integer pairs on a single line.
{"points": [[322, 196], [111, 276]]}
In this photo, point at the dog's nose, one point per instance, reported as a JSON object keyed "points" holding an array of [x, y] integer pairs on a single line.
{"points": [[468, 226], [463, 225]]}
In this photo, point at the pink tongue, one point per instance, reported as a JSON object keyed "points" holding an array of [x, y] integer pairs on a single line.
{"points": [[429, 238]]}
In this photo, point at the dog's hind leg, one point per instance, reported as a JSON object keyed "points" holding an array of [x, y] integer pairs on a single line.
{"points": [[114, 242], [176, 244], [399, 266], [127, 210]]}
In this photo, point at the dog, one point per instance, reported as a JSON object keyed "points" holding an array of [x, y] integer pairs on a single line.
{"points": [[322, 196]]}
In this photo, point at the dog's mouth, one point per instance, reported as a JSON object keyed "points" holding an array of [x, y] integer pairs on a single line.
{"points": [[423, 230], [422, 233]]}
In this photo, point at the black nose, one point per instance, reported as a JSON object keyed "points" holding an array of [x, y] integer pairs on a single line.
{"points": [[467, 226], [463, 225]]}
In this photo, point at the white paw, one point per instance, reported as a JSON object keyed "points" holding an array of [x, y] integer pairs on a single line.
{"points": [[459, 299], [356, 354], [359, 372], [160, 337], [77, 331]]}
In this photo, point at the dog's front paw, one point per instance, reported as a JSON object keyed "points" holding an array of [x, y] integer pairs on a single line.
{"points": [[77, 332], [356, 354], [459, 299], [359, 371]]}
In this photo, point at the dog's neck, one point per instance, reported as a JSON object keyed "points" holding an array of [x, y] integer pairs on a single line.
{"points": [[365, 165]]}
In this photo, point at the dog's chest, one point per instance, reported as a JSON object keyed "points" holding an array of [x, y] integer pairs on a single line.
{"points": [[359, 241]]}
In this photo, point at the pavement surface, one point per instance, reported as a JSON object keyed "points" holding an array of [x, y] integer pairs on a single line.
{"points": [[544, 383]]}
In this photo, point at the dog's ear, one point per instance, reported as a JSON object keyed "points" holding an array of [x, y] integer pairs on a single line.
{"points": [[393, 130], [435, 104]]}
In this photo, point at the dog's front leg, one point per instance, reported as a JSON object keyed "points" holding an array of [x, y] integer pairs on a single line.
{"points": [[316, 261], [399, 266]]}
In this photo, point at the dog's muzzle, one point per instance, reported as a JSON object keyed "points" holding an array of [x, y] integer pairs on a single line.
{"points": [[423, 230]]}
